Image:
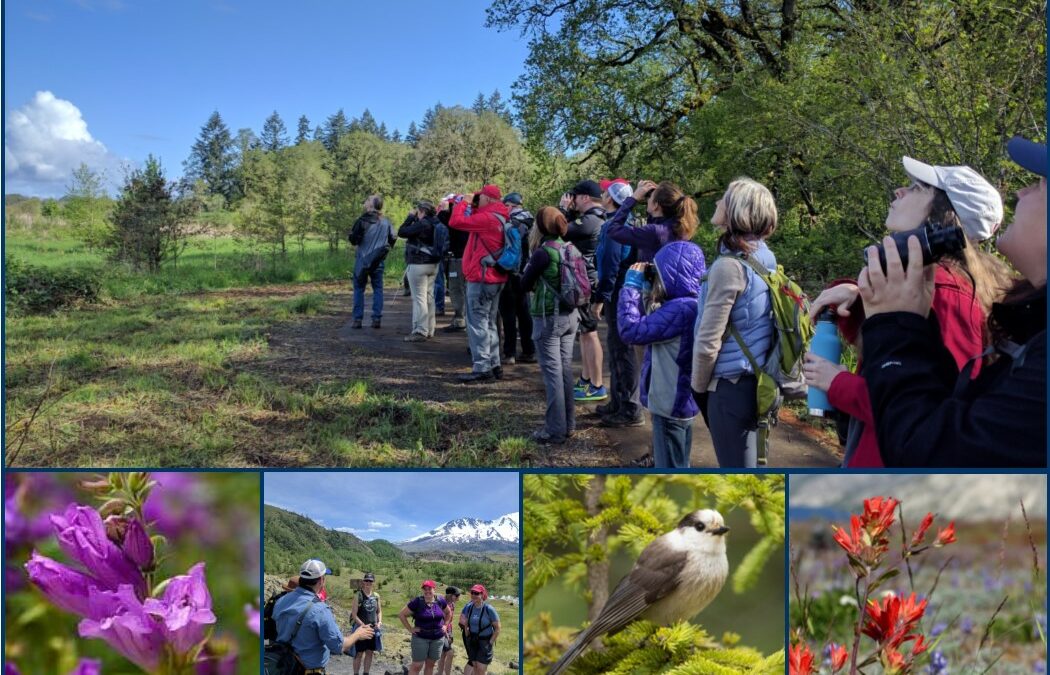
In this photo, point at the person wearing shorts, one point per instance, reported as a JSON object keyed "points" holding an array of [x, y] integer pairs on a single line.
{"points": [[481, 625], [430, 614]]}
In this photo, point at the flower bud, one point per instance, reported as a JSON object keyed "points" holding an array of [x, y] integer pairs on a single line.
{"points": [[116, 528], [137, 545]]}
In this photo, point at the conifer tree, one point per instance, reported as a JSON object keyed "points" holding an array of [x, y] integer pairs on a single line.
{"points": [[412, 136], [274, 133], [147, 228], [211, 158], [336, 126], [480, 105], [303, 133]]}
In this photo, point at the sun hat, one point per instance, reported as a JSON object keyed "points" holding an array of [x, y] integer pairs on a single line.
{"points": [[978, 204]]}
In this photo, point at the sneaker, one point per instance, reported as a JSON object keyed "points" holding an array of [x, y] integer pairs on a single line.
{"points": [[527, 358], [415, 337], [582, 385], [453, 328], [509, 361], [592, 393], [619, 421], [470, 378], [356, 323], [646, 461], [543, 438], [376, 323]]}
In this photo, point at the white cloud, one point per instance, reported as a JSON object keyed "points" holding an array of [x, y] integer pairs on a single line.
{"points": [[44, 141], [355, 530], [378, 524]]}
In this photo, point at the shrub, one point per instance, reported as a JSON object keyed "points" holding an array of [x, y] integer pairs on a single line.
{"points": [[39, 290]]}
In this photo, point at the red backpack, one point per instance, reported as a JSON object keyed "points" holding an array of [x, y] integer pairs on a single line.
{"points": [[574, 286]]}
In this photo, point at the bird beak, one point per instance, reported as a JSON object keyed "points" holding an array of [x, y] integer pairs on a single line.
{"points": [[720, 531]]}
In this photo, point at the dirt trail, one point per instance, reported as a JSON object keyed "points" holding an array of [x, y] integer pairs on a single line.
{"points": [[323, 347]]}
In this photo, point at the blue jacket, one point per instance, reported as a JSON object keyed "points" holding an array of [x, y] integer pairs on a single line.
{"points": [[752, 315], [318, 637], [646, 239], [608, 256], [668, 331]]}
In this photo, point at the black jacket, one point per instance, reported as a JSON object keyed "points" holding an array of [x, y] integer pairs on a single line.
{"points": [[584, 229], [926, 415], [419, 234], [457, 239]]}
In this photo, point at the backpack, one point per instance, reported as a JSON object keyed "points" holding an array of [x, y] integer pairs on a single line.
{"points": [[269, 623], [279, 657], [439, 246], [523, 220], [508, 258], [574, 286], [484, 614], [781, 377]]}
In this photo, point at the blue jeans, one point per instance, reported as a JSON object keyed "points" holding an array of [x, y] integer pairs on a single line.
{"points": [[439, 288], [672, 441], [377, 295]]}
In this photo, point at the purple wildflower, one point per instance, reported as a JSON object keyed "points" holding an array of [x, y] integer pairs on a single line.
{"points": [[966, 625], [185, 609], [87, 667], [212, 664], [119, 618], [938, 628], [64, 586], [137, 544], [1039, 667], [11, 669], [254, 620], [938, 663], [82, 536], [180, 503]]}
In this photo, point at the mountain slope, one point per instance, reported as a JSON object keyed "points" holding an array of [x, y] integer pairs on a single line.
{"points": [[290, 538], [469, 534]]}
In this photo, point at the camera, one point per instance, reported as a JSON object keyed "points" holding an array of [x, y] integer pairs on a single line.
{"points": [[650, 273], [937, 241]]}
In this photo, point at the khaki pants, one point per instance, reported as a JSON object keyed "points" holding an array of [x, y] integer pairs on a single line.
{"points": [[421, 281]]}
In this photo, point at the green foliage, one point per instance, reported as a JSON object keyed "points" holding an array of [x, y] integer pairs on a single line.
{"points": [[40, 290], [147, 226], [211, 158], [86, 207]]}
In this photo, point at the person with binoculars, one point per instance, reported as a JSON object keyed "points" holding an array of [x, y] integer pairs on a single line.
{"points": [[951, 209]]}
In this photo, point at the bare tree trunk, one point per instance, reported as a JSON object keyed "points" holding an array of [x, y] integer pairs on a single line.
{"points": [[597, 573]]}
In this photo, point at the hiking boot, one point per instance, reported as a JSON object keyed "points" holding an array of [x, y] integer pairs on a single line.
{"points": [[356, 323], [471, 378], [543, 438], [415, 337], [497, 372], [453, 328], [606, 409], [376, 323], [592, 393], [527, 358], [620, 420], [646, 461]]}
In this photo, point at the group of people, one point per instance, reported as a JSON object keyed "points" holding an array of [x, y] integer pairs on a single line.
{"points": [[301, 618], [952, 356]]}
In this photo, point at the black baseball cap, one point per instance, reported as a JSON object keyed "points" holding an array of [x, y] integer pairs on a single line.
{"points": [[588, 188], [513, 198]]}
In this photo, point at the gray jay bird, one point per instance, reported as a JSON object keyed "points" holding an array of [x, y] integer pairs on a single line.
{"points": [[676, 576]]}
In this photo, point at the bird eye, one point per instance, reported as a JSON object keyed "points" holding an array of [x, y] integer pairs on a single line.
{"points": [[699, 527]]}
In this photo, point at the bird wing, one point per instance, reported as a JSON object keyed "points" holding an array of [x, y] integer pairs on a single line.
{"points": [[654, 576]]}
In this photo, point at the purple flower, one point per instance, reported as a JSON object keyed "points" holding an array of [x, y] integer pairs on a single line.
{"points": [[11, 669], [185, 609], [1039, 667], [210, 664], [938, 663], [87, 667], [966, 625], [137, 544], [254, 622], [64, 586], [29, 500], [180, 503], [938, 628], [82, 535], [119, 618]]}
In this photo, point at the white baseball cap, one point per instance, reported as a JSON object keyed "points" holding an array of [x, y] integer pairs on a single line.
{"points": [[313, 569], [620, 191], [976, 202]]}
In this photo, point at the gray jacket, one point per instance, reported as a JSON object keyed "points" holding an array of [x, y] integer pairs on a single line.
{"points": [[372, 234]]}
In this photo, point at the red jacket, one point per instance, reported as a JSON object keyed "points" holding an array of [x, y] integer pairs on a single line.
{"points": [[961, 319], [486, 236]]}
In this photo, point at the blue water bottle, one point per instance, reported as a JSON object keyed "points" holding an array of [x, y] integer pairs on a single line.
{"points": [[825, 344]]}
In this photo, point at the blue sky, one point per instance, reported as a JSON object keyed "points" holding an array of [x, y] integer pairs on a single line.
{"points": [[392, 505], [110, 81]]}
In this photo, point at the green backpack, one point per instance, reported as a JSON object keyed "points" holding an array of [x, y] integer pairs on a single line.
{"points": [[781, 377]]}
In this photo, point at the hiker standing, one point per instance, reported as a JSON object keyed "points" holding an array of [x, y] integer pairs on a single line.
{"points": [[481, 623], [667, 332], [553, 325], [373, 235], [966, 284], [423, 253], [513, 301], [484, 281], [367, 610], [734, 295], [430, 613], [445, 664], [457, 285]]}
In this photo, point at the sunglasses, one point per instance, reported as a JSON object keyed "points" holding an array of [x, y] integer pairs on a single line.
{"points": [[475, 593]]}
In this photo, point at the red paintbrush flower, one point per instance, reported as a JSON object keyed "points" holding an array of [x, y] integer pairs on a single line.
{"points": [[878, 514], [838, 657], [800, 660], [947, 535], [920, 533], [850, 542], [890, 622]]}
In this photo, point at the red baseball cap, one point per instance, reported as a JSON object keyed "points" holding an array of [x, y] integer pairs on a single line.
{"points": [[480, 589], [492, 192], [428, 584]]}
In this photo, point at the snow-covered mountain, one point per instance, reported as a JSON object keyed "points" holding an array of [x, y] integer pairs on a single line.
{"points": [[965, 497], [469, 534]]}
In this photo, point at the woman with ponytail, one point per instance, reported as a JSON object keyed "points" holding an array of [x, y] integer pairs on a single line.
{"points": [[672, 217]]}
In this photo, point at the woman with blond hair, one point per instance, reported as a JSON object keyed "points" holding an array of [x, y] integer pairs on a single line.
{"points": [[735, 296]]}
